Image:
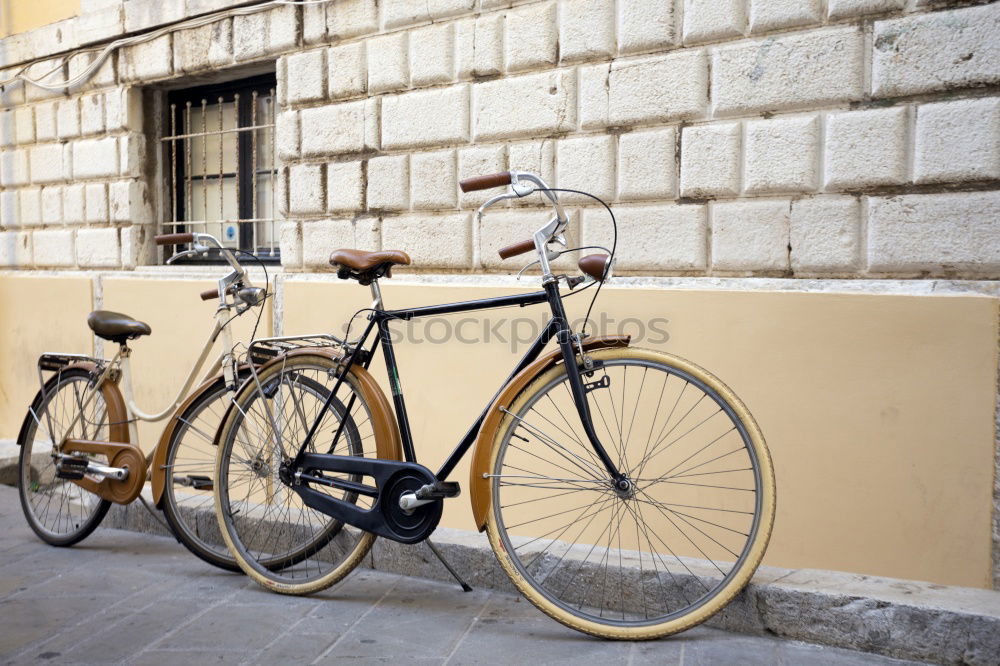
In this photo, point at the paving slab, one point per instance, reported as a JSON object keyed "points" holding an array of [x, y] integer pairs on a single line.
{"points": [[129, 598]]}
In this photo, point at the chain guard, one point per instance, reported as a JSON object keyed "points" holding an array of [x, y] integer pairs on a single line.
{"points": [[385, 518], [118, 454]]}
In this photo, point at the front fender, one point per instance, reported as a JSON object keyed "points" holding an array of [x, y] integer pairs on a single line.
{"points": [[158, 473], [479, 485]]}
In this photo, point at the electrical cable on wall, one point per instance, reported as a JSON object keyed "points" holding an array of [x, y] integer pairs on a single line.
{"points": [[108, 49]]}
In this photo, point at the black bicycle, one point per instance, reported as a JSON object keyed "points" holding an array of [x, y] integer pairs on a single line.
{"points": [[627, 493]]}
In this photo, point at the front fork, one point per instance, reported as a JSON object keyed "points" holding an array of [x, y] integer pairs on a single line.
{"points": [[566, 340]]}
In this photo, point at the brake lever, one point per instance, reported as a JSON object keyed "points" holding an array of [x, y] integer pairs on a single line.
{"points": [[489, 202], [185, 253], [552, 255]]}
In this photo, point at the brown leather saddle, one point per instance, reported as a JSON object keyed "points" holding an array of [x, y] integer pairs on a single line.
{"points": [[367, 266], [116, 326]]}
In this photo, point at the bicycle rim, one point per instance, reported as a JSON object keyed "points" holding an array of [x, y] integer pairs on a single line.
{"points": [[275, 538], [661, 558], [59, 511]]}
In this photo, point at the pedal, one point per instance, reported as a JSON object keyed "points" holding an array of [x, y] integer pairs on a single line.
{"points": [[195, 481], [439, 490], [71, 468]]}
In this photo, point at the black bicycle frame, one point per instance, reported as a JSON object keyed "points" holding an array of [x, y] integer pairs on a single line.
{"points": [[557, 327]]}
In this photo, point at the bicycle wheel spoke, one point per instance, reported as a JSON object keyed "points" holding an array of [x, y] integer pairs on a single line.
{"points": [[60, 511], [636, 556], [275, 535]]}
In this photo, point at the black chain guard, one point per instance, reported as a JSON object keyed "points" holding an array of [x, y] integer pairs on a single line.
{"points": [[385, 518]]}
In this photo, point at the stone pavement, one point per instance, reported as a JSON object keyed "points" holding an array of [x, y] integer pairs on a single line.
{"points": [[124, 597]]}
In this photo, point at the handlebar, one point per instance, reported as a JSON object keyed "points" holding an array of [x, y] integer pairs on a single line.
{"points": [[236, 280], [174, 239], [522, 184], [485, 182], [517, 249]]}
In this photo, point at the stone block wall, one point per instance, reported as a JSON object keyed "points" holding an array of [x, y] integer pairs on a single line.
{"points": [[822, 138]]}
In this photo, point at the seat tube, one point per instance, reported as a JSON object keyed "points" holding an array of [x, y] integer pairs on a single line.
{"points": [[397, 391], [565, 341], [126, 366]]}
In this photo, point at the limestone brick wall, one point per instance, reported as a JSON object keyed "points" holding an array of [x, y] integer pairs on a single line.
{"points": [[831, 138]]}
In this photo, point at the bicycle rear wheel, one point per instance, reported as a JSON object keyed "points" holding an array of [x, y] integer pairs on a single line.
{"points": [[275, 538], [660, 557], [60, 512]]}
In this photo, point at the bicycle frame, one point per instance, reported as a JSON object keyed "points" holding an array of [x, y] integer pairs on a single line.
{"points": [[557, 328], [117, 372]]}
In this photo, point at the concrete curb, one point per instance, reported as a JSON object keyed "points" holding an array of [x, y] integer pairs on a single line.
{"points": [[891, 617]]}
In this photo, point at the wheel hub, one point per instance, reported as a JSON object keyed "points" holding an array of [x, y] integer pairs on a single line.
{"points": [[259, 466], [624, 488]]}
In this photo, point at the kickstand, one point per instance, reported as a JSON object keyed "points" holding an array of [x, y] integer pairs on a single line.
{"points": [[434, 549]]}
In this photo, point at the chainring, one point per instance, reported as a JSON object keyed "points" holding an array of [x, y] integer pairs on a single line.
{"points": [[417, 524]]}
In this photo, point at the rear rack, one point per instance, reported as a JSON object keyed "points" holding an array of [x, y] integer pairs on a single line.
{"points": [[263, 350], [53, 362]]}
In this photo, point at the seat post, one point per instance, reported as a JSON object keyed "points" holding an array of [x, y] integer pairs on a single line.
{"points": [[376, 295]]}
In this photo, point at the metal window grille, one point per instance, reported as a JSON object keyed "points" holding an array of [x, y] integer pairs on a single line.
{"points": [[223, 166]]}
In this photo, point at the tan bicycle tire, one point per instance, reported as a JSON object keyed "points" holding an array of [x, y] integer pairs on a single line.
{"points": [[724, 594], [365, 540]]}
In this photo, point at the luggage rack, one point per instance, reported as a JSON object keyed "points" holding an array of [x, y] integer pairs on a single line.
{"points": [[263, 350], [52, 362], [56, 362]]}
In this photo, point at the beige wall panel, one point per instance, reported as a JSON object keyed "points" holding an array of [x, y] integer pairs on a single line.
{"points": [[22, 15], [878, 409], [37, 314], [181, 324]]}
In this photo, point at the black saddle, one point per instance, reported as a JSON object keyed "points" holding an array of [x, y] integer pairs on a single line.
{"points": [[115, 326]]}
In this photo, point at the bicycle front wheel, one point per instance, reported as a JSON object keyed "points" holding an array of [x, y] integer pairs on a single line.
{"points": [[188, 504], [664, 555], [59, 511], [275, 538]]}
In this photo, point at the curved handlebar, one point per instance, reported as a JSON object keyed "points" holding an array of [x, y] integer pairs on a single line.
{"points": [[485, 182], [209, 294], [174, 239], [517, 248]]}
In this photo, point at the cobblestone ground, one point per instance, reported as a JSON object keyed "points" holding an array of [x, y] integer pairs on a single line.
{"points": [[124, 597]]}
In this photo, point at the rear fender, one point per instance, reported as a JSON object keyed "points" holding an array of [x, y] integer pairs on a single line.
{"points": [[388, 444], [118, 431]]}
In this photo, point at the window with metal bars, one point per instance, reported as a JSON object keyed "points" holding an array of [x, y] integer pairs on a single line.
{"points": [[220, 148]]}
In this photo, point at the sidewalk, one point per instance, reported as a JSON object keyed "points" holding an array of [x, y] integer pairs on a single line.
{"points": [[124, 597]]}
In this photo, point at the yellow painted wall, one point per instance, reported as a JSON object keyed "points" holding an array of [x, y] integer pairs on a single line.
{"points": [[37, 314], [878, 409], [22, 15]]}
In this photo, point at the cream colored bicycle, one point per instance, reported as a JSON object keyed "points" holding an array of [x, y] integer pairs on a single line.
{"points": [[79, 442]]}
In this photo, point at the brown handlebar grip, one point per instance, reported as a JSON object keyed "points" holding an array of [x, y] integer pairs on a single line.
{"points": [[174, 239], [209, 294], [516, 249], [485, 182]]}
